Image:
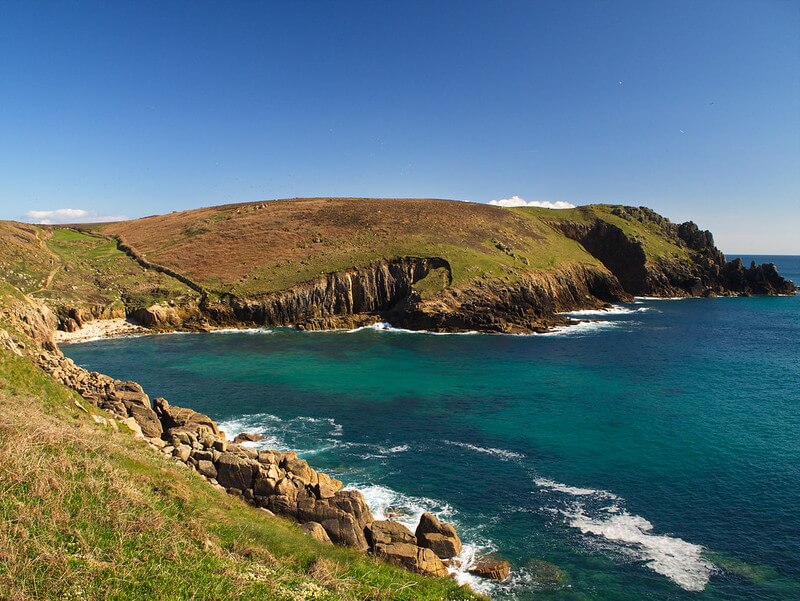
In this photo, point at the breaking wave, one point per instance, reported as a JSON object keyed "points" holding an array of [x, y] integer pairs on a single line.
{"points": [[638, 299], [503, 454], [611, 527], [613, 310], [383, 326], [304, 435], [582, 328]]}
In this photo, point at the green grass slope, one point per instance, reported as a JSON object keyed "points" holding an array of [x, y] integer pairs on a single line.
{"points": [[69, 268], [255, 248], [656, 242], [88, 512]]}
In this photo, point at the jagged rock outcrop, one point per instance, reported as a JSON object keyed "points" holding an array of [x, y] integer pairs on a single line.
{"points": [[756, 279], [71, 319], [386, 291], [531, 303], [705, 272], [371, 289], [438, 537]]}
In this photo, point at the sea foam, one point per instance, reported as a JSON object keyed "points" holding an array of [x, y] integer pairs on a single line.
{"points": [[573, 490], [613, 310], [304, 435], [241, 331], [680, 561], [612, 527], [503, 454]]}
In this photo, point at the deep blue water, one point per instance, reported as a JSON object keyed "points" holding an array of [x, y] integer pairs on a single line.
{"points": [[651, 454]]}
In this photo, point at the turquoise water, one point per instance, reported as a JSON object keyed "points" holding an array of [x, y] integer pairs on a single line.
{"points": [[653, 453]]}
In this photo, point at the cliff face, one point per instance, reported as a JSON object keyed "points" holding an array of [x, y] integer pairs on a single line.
{"points": [[341, 263], [276, 481], [373, 289], [386, 290], [531, 303], [694, 268]]}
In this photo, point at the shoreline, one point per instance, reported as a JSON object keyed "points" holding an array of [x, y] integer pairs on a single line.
{"points": [[99, 329]]}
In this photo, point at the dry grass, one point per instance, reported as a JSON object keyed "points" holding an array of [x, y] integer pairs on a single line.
{"points": [[90, 513], [254, 248]]}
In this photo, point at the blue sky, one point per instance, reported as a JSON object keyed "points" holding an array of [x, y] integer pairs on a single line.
{"points": [[691, 108]]}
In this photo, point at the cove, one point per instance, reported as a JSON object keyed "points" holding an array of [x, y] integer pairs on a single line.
{"points": [[652, 452]]}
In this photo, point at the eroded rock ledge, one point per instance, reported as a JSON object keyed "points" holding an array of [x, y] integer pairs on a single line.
{"points": [[278, 482], [387, 291]]}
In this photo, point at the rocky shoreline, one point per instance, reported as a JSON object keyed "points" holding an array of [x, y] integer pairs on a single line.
{"points": [[279, 483]]}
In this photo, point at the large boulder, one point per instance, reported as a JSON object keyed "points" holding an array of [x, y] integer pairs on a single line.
{"points": [[326, 487], [353, 503], [157, 317], [412, 557], [445, 547], [147, 420], [206, 468], [316, 531], [299, 468], [246, 437], [183, 419], [441, 538], [343, 528], [234, 471], [386, 532]]}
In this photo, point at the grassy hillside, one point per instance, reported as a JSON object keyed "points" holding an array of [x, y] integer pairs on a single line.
{"points": [[87, 512], [66, 267], [254, 248], [655, 243]]}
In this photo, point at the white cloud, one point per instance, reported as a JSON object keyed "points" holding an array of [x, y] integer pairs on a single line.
{"points": [[516, 201], [57, 216]]}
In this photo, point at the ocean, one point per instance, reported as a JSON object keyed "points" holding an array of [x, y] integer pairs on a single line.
{"points": [[652, 452]]}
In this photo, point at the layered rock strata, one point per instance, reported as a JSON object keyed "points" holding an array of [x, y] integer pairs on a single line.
{"points": [[385, 290]]}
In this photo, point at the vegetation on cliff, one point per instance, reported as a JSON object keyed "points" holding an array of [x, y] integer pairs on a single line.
{"points": [[81, 276], [88, 512], [340, 262]]}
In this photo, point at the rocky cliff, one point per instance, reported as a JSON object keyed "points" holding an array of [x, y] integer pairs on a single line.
{"points": [[387, 290], [341, 263], [694, 267], [278, 482]]}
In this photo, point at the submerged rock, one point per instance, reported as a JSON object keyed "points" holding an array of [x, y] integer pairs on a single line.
{"points": [[491, 568]]}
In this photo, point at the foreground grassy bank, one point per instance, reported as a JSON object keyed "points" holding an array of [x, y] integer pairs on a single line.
{"points": [[88, 512]]}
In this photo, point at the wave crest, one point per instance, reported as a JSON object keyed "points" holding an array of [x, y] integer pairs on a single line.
{"points": [[612, 527], [503, 454]]}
